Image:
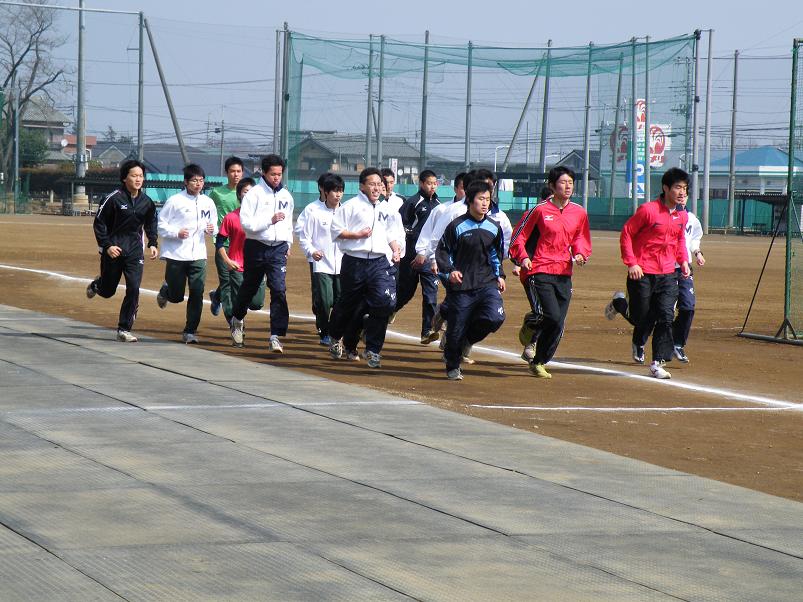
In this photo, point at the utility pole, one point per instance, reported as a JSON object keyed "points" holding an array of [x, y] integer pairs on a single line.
{"points": [[732, 163], [545, 109], [222, 136], [141, 90], [707, 143], [16, 147], [79, 198], [467, 158]]}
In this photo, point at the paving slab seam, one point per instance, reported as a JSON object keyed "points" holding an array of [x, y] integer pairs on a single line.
{"points": [[53, 554]]}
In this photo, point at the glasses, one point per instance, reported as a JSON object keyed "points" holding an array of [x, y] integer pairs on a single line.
{"points": [[196, 181]]}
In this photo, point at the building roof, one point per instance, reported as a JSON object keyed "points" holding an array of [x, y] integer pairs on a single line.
{"points": [[754, 158], [164, 158], [39, 110], [350, 145]]}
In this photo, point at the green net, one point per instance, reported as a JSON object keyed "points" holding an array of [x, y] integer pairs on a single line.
{"points": [[330, 126]]}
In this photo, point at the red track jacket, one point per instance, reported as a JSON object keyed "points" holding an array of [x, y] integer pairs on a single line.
{"points": [[654, 238], [550, 238]]}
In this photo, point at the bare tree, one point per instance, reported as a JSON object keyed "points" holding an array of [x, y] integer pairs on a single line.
{"points": [[27, 41]]}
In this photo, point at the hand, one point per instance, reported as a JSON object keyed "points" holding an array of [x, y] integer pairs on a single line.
{"points": [[364, 233], [685, 269], [287, 255], [456, 277], [418, 261], [396, 256], [579, 259], [209, 228], [277, 217], [154, 252], [634, 272], [114, 251], [527, 264], [516, 270], [700, 258], [502, 286], [232, 265], [183, 233], [317, 255], [433, 267]]}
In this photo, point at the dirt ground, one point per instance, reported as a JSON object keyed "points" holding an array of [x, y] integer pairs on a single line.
{"points": [[759, 446]]}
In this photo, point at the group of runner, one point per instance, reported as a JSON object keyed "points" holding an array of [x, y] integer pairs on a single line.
{"points": [[368, 254]]}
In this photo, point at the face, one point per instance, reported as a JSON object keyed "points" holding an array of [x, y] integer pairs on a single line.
{"points": [[429, 185], [274, 175], [563, 188], [134, 180], [194, 185], [459, 191], [234, 173], [333, 198], [390, 182], [481, 204], [244, 190], [372, 187], [677, 194]]}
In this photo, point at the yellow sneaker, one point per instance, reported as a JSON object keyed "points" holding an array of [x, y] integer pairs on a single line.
{"points": [[539, 371]]}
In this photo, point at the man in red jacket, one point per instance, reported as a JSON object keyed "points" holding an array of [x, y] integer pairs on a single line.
{"points": [[651, 242], [552, 237]]}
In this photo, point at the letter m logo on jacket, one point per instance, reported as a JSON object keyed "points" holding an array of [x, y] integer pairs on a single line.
{"points": [[283, 204], [206, 214], [383, 217]]}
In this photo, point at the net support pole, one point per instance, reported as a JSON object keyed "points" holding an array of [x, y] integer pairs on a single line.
{"points": [[277, 93], [16, 110], [285, 125], [370, 103], [694, 138], [633, 134], [545, 109], [380, 102], [707, 141], [647, 121], [141, 90], [467, 158], [521, 121], [587, 132], [80, 132], [615, 138], [176, 128], [422, 156], [732, 162]]}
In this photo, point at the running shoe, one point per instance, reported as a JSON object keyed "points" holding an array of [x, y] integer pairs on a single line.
{"points": [[237, 328], [539, 371], [90, 289], [528, 354], [679, 353], [657, 370], [125, 336], [610, 309], [455, 374], [336, 350], [189, 338], [275, 345], [214, 299], [638, 353], [374, 359]]}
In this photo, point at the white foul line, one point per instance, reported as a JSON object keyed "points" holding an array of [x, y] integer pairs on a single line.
{"points": [[631, 409], [716, 391]]}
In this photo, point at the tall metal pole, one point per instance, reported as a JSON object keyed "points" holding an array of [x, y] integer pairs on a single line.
{"points": [[633, 133], [222, 138], [615, 138], [693, 193], [277, 94], [467, 159], [647, 121], [587, 133], [141, 91], [688, 111], [285, 126], [370, 105], [184, 157], [786, 327], [732, 165], [422, 158], [80, 145], [545, 110], [707, 143], [381, 101], [16, 108], [521, 120]]}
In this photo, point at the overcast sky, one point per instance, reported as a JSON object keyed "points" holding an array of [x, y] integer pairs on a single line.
{"points": [[204, 44]]}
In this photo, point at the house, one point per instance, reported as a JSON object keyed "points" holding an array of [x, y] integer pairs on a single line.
{"points": [[761, 170], [575, 161]]}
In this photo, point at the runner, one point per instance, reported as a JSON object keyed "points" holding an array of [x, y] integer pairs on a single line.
{"points": [[226, 201]]}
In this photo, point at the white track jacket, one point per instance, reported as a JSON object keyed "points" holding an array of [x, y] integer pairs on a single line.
{"points": [[358, 213], [193, 213], [257, 209], [314, 234]]}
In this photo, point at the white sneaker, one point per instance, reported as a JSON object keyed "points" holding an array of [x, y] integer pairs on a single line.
{"points": [[610, 310], [680, 353], [275, 344], [374, 359], [467, 347], [336, 350], [237, 327], [528, 354], [125, 336], [189, 338], [352, 356], [657, 370]]}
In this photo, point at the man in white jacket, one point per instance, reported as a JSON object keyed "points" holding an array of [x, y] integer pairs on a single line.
{"points": [[184, 221], [266, 214], [371, 240]]}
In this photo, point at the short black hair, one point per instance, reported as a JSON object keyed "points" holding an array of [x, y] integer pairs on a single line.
{"points": [[672, 176], [476, 187], [387, 172], [233, 161], [559, 170], [370, 171], [322, 177], [193, 170], [469, 177], [332, 182], [545, 193], [486, 174], [242, 184], [427, 173], [459, 178], [128, 165], [269, 161]]}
